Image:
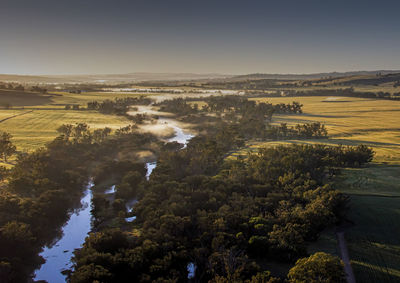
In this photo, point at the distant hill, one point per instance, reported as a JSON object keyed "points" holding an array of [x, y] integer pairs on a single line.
{"points": [[313, 75], [108, 78], [26, 79], [375, 79], [362, 77]]}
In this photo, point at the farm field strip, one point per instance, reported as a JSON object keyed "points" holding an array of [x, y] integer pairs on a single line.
{"points": [[349, 120], [34, 129]]}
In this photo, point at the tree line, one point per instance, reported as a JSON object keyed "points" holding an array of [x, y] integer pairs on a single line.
{"points": [[118, 106], [246, 117]]}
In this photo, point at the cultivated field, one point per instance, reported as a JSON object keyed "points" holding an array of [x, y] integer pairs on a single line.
{"points": [[34, 118], [33, 128], [351, 121]]}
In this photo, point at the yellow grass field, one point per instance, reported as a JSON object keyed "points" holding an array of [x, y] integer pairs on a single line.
{"points": [[34, 118], [34, 128], [85, 97], [350, 121]]}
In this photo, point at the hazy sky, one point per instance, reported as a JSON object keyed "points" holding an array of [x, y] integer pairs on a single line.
{"points": [[224, 36]]}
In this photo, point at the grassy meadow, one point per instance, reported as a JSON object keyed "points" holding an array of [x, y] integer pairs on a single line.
{"points": [[373, 241]]}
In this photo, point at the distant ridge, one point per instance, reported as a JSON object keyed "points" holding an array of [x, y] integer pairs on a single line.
{"points": [[147, 76], [314, 75], [109, 78]]}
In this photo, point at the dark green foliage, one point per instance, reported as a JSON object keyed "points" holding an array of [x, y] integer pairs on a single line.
{"points": [[6, 146], [42, 187], [318, 268], [46, 184], [225, 217], [119, 106], [246, 118], [178, 106]]}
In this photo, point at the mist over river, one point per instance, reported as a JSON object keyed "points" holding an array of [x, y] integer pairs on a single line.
{"points": [[75, 230]]}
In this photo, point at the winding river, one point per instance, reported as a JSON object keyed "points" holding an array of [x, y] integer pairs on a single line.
{"points": [[58, 256]]}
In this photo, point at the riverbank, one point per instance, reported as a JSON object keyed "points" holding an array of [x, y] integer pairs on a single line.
{"points": [[79, 224]]}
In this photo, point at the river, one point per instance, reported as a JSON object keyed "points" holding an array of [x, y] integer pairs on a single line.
{"points": [[75, 230]]}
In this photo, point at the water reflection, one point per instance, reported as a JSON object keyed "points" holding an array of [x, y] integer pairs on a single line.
{"points": [[58, 256]]}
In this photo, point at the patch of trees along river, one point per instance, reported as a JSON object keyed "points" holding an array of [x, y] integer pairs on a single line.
{"points": [[58, 256]]}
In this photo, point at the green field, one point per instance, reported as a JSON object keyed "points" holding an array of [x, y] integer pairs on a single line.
{"points": [[374, 242]]}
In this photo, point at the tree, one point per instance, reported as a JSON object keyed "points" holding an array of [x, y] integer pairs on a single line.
{"points": [[6, 147], [65, 130], [99, 135], [317, 268]]}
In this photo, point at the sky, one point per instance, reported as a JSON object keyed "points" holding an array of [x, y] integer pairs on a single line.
{"points": [[197, 36]]}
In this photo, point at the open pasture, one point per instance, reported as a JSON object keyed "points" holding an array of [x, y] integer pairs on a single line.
{"points": [[373, 242], [83, 98], [33, 118], [34, 128], [26, 99], [350, 121]]}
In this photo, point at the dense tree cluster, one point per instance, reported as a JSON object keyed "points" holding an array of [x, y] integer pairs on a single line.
{"points": [[246, 117], [129, 177], [7, 148], [222, 217], [318, 268], [12, 86], [81, 133], [20, 87], [227, 104], [45, 185], [308, 130], [42, 187], [178, 106], [118, 106], [241, 105], [38, 89]]}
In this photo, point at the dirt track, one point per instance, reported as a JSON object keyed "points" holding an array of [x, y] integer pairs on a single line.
{"points": [[345, 257], [5, 119]]}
